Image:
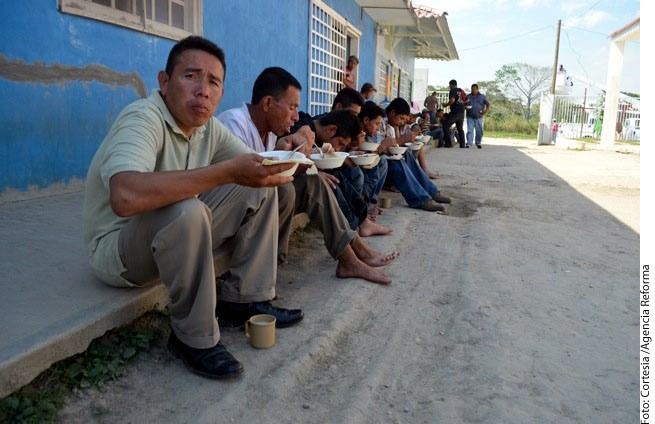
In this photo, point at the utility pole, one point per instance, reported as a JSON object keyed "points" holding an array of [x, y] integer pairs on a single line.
{"points": [[552, 84]]}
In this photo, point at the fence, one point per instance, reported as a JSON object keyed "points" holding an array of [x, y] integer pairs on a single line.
{"points": [[581, 117]]}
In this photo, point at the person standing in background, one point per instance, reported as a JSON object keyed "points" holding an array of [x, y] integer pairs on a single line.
{"points": [[457, 98], [431, 103], [349, 75], [554, 128], [477, 107]]}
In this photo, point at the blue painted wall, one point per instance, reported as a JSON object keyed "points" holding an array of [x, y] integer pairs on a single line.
{"points": [[53, 120], [51, 129], [255, 37]]}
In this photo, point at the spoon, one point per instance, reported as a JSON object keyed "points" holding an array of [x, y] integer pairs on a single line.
{"points": [[290, 155]]}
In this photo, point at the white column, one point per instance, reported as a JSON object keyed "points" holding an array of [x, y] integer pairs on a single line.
{"points": [[614, 71]]}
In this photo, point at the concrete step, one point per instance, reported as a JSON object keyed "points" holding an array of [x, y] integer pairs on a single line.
{"points": [[52, 306]]}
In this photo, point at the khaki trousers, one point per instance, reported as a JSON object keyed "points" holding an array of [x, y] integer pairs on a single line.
{"points": [[177, 243], [312, 195]]}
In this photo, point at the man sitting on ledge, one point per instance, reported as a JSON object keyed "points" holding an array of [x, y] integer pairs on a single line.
{"points": [[271, 113], [167, 186]]}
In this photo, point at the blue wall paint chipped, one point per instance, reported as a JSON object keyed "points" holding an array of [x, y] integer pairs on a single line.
{"points": [[52, 129]]}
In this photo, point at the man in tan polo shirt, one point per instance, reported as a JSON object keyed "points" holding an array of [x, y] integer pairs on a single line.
{"points": [[170, 186]]}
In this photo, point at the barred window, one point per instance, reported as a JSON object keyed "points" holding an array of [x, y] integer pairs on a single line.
{"points": [[331, 40], [383, 80]]}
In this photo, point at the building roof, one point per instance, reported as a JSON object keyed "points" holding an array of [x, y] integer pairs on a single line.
{"points": [[629, 32], [426, 27]]}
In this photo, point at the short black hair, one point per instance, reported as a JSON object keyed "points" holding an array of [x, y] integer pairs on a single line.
{"points": [[371, 111], [193, 42], [399, 106], [346, 122], [273, 81], [453, 82], [474, 85], [366, 87], [347, 97]]}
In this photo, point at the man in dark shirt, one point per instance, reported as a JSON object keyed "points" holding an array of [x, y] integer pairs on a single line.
{"points": [[457, 100]]}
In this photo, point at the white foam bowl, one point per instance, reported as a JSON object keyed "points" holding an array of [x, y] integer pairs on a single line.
{"points": [[414, 146], [424, 138], [329, 160], [397, 150], [367, 146], [275, 157], [363, 160]]}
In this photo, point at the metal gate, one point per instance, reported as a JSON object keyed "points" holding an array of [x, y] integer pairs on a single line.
{"points": [[581, 117]]}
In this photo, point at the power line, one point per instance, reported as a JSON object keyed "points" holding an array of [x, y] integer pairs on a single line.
{"points": [[579, 56], [507, 39]]}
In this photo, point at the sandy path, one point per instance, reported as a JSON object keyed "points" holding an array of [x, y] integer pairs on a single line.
{"points": [[517, 307]]}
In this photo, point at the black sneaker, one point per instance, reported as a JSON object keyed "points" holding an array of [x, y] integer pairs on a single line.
{"points": [[479, 146], [236, 314], [213, 362]]}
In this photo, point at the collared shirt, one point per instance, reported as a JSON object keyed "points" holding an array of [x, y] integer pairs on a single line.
{"points": [[144, 138], [240, 123], [477, 103]]}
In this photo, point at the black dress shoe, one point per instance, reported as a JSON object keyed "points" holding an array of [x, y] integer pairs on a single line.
{"points": [[213, 362], [237, 314]]}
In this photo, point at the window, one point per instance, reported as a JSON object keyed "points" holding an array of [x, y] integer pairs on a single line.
{"points": [[383, 81], [174, 19], [330, 41], [404, 90]]}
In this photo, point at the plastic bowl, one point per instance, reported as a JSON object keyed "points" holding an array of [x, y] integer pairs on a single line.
{"points": [[397, 150], [367, 146], [275, 157], [414, 146], [425, 139], [363, 160], [329, 160]]}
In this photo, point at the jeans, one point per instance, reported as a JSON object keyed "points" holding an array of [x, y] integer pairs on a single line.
{"points": [[374, 180], [439, 135], [349, 194], [471, 125], [408, 177]]}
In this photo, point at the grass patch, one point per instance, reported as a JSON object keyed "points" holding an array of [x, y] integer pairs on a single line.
{"points": [[505, 134], [106, 359]]}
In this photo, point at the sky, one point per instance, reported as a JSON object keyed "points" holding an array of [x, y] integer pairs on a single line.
{"points": [[491, 33]]}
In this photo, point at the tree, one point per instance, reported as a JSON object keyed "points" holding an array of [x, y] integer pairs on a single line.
{"points": [[523, 83]]}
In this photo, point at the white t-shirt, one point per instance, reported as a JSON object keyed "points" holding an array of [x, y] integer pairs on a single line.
{"points": [[239, 122]]}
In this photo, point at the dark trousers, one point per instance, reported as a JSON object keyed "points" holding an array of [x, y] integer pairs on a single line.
{"points": [[458, 120]]}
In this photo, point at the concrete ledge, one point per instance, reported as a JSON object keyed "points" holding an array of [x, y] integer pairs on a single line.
{"points": [[52, 305]]}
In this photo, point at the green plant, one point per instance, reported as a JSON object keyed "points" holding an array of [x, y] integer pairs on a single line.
{"points": [[105, 359]]}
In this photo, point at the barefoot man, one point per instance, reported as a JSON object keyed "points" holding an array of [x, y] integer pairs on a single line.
{"points": [[271, 113]]}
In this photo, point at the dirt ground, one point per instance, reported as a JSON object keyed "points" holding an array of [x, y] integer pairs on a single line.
{"points": [[519, 306]]}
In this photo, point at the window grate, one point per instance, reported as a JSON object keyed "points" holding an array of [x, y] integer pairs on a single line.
{"points": [[328, 43]]}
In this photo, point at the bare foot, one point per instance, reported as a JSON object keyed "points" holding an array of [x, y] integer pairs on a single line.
{"points": [[351, 267], [374, 209], [370, 256], [433, 175], [369, 228]]}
